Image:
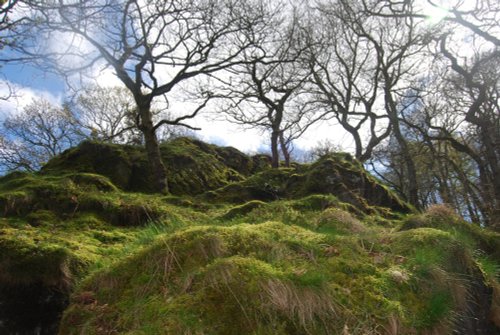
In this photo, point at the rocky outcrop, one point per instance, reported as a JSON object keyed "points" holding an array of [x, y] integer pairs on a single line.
{"points": [[338, 175], [193, 167]]}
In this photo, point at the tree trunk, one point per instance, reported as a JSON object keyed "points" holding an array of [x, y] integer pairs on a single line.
{"points": [[491, 138], [275, 159], [412, 183], [284, 150], [412, 193], [153, 150]]}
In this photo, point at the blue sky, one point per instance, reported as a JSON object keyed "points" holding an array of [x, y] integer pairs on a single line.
{"points": [[31, 77]]}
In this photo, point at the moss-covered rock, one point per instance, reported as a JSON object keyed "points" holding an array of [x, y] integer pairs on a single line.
{"points": [[347, 180], [331, 175], [38, 197], [243, 209], [122, 164], [267, 185], [193, 167]]}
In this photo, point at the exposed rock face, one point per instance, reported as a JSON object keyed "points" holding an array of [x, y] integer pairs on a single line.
{"points": [[33, 309]]}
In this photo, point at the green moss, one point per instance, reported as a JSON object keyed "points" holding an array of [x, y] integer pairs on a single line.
{"points": [[489, 266], [42, 217], [25, 260], [292, 283], [311, 249], [443, 218], [346, 180], [192, 166], [338, 221], [267, 185], [113, 161], [316, 202], [243, 209], [436, 310]]}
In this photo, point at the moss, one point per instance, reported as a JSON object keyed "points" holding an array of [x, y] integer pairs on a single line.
{"points": [[437, 309], [346, 180], [193, 169], [42, 198], [296, 281], [338, 221], [192, 166], [25, 261], [92, 182], [316, 202], [110, 160], [243, 209], [443, 218], [310, 249], [267, 185], [290, 283], [42, 217]]}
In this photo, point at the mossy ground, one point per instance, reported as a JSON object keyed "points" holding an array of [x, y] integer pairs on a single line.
{"points": [[307, 271], [304, 263]]}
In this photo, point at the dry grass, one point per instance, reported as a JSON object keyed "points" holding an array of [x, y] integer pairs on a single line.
{"points": [[442, 211], [304, 305], [341, 220]]}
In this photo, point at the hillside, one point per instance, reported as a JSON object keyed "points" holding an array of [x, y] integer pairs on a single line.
{"points": [[237, 248]]}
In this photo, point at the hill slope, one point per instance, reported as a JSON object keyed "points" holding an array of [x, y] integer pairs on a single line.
{"points": [[238, 249]]}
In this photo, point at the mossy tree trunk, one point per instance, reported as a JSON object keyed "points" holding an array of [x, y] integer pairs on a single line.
{"points": [[284, 150], [275, 156], [147, 128]]}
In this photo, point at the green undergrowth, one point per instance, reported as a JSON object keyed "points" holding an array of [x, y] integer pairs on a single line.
{"points": [[319, 248], [55, 228], [287, 267]]}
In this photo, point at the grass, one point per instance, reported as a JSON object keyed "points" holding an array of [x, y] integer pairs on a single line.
{"points": [[236, 260]]}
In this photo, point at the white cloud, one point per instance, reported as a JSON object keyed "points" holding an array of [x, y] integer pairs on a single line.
{"points": [[99, 75], [107, 78], [326, 130], [15, 97], [228, 134], [252, 140]]}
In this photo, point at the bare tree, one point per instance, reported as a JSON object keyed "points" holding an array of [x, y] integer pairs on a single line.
{"points": [[363, 76], [107, 113], [37, 133], [268, 91], [347, 79], [443, 122], [474, 87], [152, 47], [6, 22]]}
